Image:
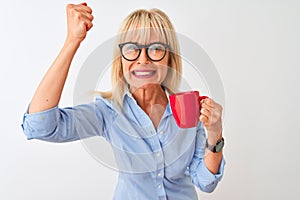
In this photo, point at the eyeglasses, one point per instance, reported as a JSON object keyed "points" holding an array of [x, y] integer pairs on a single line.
{"points": [[155, 51]]}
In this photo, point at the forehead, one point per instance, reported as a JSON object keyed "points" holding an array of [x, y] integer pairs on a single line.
{"points": [[144, 36]]}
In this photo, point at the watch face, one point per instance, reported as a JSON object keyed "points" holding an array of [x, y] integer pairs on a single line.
{"points": [[220, 145], [216, 148]]}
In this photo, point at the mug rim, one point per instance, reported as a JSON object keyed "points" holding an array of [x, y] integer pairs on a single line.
{"points": [[183, 93]]}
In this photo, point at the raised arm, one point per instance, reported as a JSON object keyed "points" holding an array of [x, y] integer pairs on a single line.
{"points": [[48, 93]]}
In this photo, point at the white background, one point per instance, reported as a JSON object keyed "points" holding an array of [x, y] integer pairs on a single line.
{"points": [[255, 46]]}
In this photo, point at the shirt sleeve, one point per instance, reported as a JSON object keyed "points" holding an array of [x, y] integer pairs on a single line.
{"points": [[200, 175], [68, 124]]}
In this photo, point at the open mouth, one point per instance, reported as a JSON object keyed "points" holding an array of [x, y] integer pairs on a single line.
{"points": [[143, 73]]}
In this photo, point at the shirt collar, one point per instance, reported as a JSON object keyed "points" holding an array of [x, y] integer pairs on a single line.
{"points": [[127, 93]]}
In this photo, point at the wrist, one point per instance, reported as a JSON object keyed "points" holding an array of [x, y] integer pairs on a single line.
{"points": [[213, 139], [217, 147], [71, 45], [72, 40]]}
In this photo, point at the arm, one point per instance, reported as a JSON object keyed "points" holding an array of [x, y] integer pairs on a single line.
{"points": [[211, 115], [213, 160], [69, 124], [200, 172], [49, 91], [206, 168]]}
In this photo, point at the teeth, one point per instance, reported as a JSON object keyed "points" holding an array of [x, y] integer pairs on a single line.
{"points": [[142, 73]]}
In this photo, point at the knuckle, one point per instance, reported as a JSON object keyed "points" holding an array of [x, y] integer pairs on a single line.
{"points": [[208, 115], [90, 25], [209, 100], [217, 116], [206, 100], [77, 15], [70, 8]]}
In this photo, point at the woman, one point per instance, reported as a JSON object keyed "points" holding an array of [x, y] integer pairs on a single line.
{"points": [[156, 159]]}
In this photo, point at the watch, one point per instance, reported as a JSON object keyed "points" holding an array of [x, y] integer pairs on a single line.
{"points": [[217, 147]]}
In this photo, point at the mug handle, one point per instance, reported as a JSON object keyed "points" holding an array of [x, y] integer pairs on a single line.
{"points": [[200, 98]]}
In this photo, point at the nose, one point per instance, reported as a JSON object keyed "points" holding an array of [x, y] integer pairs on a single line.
{"points": [[143, 58]]}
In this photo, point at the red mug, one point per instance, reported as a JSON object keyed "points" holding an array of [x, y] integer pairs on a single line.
{"points": [[186, 108]]}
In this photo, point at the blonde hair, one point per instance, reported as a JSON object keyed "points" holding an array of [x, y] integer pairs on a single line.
{"points": [[138, 26]]}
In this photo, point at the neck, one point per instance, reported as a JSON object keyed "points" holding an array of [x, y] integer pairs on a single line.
{"points": [[153, 100]]}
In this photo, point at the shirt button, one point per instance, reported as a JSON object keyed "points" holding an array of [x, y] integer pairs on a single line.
{"points": [[161, 132], [159, 186], [159, 174], [158, 154]]}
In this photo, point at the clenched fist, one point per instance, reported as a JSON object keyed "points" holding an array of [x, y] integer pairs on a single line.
{"points": [[79, 20]]}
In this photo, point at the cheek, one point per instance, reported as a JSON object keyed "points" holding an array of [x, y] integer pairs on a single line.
{"points": [[125, 68], [164, 66], [163, 72]]}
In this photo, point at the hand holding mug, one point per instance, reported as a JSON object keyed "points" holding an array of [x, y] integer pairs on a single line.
{"points": [[211, 117], [189, 107]]}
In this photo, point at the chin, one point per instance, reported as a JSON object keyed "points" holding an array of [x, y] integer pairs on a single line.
{"points": [[140, 84]]}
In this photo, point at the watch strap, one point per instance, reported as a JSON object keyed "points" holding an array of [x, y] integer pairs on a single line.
{"points": [[217, 147]]}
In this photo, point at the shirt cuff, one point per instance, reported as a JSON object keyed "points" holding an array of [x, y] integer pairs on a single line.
{"points": [[204, 179], [40, 124]]}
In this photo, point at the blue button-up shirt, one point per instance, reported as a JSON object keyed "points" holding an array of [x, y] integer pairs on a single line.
{"points": [[162, 163]]}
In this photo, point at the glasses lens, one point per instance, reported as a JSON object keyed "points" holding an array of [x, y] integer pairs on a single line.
{"points": [[156, 51], [130, 51]]}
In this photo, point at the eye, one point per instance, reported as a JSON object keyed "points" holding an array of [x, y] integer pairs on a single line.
{"points": [[130, 51], [156, 47], [130, 47]]}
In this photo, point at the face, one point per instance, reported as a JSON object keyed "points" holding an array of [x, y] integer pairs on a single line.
{"points": [[143, 70]]}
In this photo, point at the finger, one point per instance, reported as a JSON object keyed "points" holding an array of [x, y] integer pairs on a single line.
{"points": [[207, 107], [78, 10], [204, 120], [209, 102], [216, 111], [206, 103], [87, 24], [87, 9], [84, 7], [206, 112], [87, 16]]}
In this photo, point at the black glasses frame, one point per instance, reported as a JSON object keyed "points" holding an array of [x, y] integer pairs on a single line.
{"points": [[140, 47]]}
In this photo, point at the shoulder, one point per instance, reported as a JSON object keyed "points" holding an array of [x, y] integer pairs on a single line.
{"points": [[105, 104]]}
